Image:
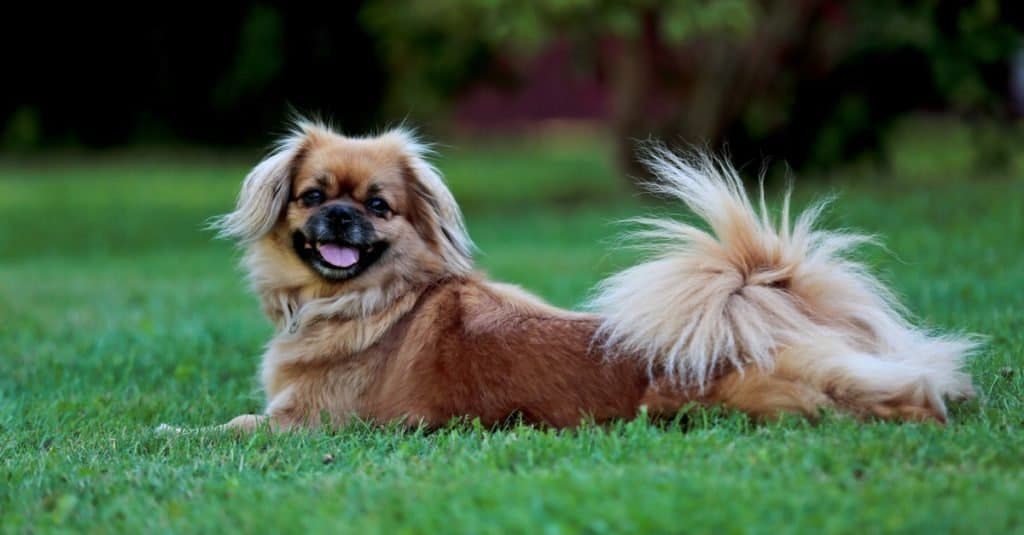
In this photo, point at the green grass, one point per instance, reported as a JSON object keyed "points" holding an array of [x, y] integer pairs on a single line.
{"points": [[117, 312]]}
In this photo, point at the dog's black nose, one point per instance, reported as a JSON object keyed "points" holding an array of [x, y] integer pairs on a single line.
{"points": [[340, 215], [339, 222]]}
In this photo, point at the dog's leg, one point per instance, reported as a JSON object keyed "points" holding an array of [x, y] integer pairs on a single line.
{"points": [[865, 385], [906, 412], [910, 403], [244, 424], [767, 395], [247, 423]]}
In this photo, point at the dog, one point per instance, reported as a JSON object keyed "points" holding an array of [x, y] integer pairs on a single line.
{"points": [[361, 259]]}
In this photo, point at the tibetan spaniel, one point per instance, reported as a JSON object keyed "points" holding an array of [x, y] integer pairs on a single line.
{"points": [[361, 259]]}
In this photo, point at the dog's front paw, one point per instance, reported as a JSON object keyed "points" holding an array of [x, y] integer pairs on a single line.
{"points": [[247, 423]]}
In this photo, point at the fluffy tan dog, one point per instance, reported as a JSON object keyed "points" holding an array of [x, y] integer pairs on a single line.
{"points": [[360, 257]]}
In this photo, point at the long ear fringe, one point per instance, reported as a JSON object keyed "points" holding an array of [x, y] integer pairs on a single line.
{"points": [[751, 287], [456, 246], [265, 190]]}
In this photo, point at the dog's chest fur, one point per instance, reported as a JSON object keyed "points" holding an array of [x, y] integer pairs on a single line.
{"points": [[328, 365]]}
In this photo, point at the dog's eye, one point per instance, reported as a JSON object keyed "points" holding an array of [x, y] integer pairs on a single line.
{"points": [[378, 206], [313, 197]]}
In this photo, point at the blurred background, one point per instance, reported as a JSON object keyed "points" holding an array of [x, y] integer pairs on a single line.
{"points": [[813, 83], [135, 124]]}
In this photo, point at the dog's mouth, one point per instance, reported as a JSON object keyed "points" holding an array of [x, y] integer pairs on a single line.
{"points": [[338, 256], [337, 260]]}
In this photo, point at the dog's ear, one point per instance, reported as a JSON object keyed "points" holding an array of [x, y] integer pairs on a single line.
{"points": [[265, 192], [437, 216]]}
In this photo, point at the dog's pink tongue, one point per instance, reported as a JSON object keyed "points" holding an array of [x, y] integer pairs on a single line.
{"points": [[337, 255]]}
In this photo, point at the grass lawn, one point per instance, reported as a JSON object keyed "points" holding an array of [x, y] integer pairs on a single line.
{"points": [[117, 313]]}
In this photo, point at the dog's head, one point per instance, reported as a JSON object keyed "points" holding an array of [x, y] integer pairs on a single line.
{"points": [[346, 214]]}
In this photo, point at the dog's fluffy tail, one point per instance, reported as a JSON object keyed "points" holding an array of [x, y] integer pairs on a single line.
{"points": [[753, 290]]}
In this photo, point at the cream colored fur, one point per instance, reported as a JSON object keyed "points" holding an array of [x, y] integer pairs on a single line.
{"points": [[752, 291]]}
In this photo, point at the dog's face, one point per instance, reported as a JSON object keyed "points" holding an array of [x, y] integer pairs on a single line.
{"points": [[348, 214], [349, 203]]}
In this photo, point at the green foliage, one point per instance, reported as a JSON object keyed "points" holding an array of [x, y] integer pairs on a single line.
{"points": [[960, 40], [118, 313], [528, 25], [23, 129], [435, 49], [259, 60], [815, 83]]}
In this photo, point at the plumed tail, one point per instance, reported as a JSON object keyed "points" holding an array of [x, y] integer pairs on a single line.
{"points": [[751, 288]]}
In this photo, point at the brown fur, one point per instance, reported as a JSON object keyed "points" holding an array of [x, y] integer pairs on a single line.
{"points": [[420, 338]]}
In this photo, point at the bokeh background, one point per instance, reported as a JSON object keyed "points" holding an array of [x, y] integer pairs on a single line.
{"points": [[815, 83]]}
